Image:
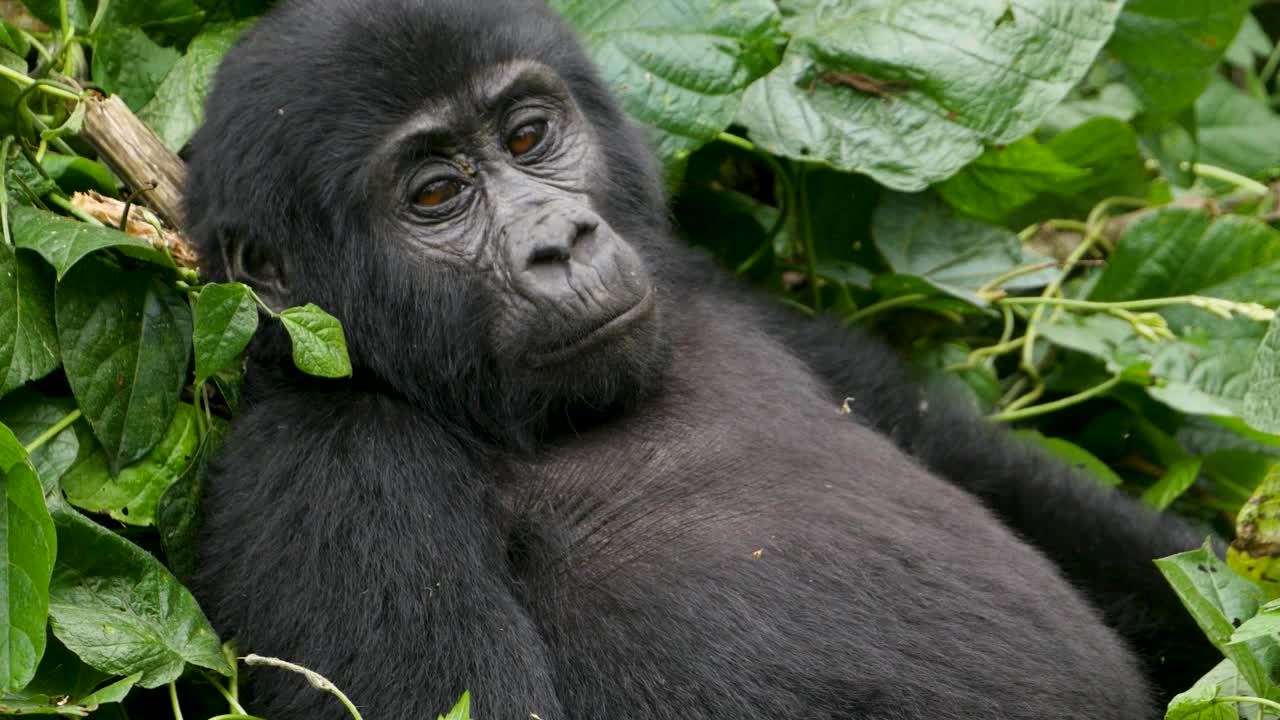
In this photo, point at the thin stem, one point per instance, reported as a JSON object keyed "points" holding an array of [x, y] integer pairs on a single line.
{"points": [[236, 707], [1030, 231], [61, 201], [52, 432], [316, 680], [173, 688], [1144, 304], [68, 37], [1214, 172], [1095, 224], [1246, 699], [22, 80], [786, 198], [4, 190], [98, 15], [1055, 405], [1013, 274], [1269, 68], [883, 305], [236, 716]]}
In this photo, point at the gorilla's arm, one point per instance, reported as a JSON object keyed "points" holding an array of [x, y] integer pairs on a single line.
{"points": [[1103, 542], [347, 533]]}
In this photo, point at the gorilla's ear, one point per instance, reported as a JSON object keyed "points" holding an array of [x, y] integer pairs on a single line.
{"points": [[259, 268]]}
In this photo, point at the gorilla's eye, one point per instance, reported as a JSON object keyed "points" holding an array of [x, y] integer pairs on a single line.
{"points": [[438, 192], [526, 137]]}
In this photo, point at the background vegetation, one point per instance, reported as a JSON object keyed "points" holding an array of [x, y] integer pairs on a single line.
{"points": [[1060, 208]]}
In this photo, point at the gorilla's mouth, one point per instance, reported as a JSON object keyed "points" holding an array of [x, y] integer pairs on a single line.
{"points": [[615, 327]]}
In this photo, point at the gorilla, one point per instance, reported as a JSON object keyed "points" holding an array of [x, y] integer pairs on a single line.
{"points": [[578, 469]]}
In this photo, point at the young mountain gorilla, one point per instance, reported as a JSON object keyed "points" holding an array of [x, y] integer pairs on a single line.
{"points": [[578, 470]]}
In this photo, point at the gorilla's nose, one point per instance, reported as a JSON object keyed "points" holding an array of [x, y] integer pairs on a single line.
{"points": [[573, 258]]}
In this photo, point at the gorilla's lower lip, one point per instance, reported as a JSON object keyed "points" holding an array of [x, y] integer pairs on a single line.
{"points": [[600, 335]]}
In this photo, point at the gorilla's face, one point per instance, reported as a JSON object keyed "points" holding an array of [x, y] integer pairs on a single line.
{"points": [[492, 185], [495, 181], [483, 220]]}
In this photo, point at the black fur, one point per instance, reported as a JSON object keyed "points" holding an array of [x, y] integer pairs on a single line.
{"points": [[715, 541]]}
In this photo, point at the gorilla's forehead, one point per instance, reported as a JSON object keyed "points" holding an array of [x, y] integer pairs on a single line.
{"points": [[478, 97]]}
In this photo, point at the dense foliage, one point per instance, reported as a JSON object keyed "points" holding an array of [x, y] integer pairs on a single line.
{"points": [[1058, 208]]}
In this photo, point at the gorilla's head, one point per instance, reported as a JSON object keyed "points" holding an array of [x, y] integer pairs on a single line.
{"points": [[476, 210]]}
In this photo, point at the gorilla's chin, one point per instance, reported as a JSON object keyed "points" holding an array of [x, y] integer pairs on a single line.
{"points": [[612, 365], [611, 331]]}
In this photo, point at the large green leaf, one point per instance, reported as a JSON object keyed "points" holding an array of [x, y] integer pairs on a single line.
{"points": [[126, 339], [1219, 600], [180, 514], [1179, 251], [128, 63], [975, 73], [678, 66], [1005, 178], [1170, 48], [65, 242], [1262, 399], [177, 108], [28, 546], [1200, 702], [917, 235], [121, 611], [131, 496], [1233, 130], [28, 338], [30, 415]]}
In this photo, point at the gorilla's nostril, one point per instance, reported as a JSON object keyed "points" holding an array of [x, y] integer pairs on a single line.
{"points": [[548, 255]]}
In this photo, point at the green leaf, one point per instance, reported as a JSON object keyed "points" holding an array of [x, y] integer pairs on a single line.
{"points": [[1254, 552], [1251, 44], [65, 242], [1169, 50], [177, 108], [28, 338], [128, 63], [1200, 701], [1262, 399], [125, 338], [74, 174], [977, 73], [30, 414], [225, 320], [918, 236], [28, 546], [1077, 457], [460, 711], [180, 514], [678, 66], [1233, 130], [11, 450], [24, 179], [116, 607], [319, 347], [1176, 480], [1203, 372], [1005, 178], [132, 496], [1181, 251], [1219, 599]]}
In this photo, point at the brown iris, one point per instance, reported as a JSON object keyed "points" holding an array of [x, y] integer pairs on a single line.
{"points": [[526, 138], [439, 192]]}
